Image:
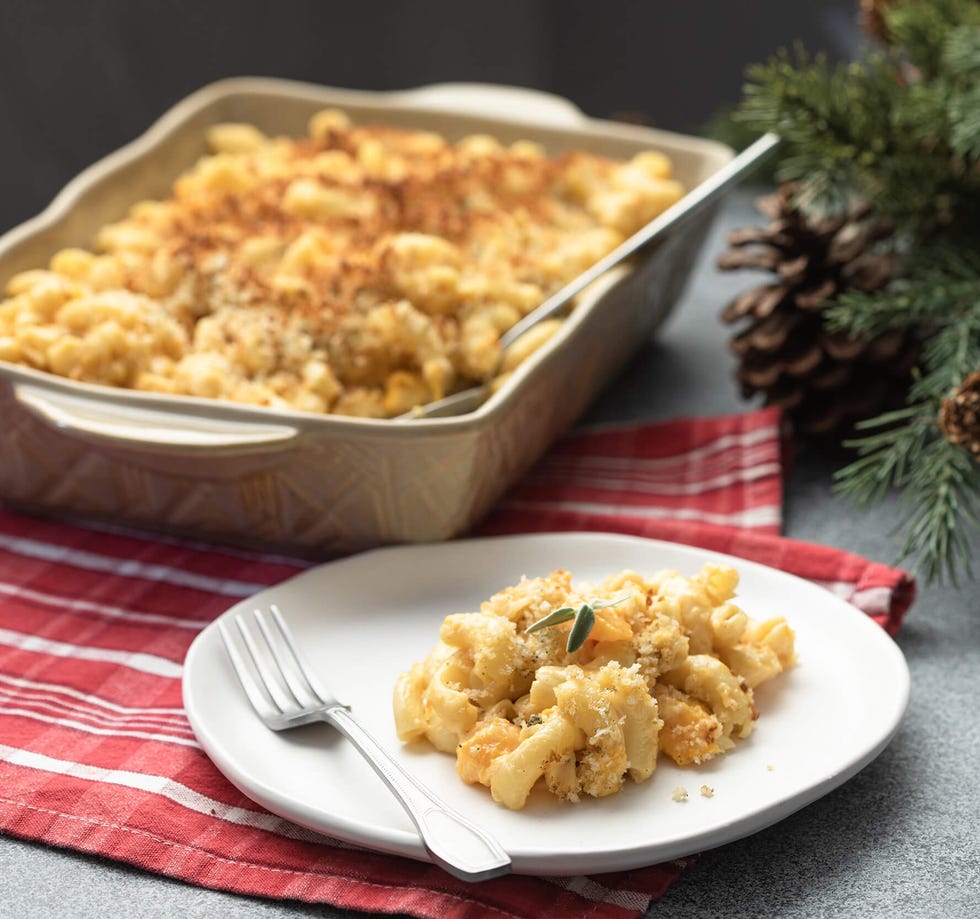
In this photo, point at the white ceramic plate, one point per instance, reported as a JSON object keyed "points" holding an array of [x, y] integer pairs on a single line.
{"points": [[364, 619]]}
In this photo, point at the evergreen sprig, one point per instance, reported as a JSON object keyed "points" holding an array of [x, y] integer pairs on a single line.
{"points": [[899, 128], [940, 287], [894, 127]]}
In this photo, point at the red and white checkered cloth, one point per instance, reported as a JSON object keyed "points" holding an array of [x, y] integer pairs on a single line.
{"points": [[97, 755]]}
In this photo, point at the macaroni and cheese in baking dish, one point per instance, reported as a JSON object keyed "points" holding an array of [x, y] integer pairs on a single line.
{"points": [[360, 270], [579, 686]]}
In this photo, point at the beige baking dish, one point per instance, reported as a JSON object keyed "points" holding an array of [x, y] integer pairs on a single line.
{"points": [[310, 484]]}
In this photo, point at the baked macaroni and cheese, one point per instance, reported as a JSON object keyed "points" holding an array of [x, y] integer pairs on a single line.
{"points": [[361, 270], [580, 685]]}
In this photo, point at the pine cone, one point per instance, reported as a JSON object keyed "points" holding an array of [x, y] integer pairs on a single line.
{"points": [[823, 381], [959, 415], [871, 17]]}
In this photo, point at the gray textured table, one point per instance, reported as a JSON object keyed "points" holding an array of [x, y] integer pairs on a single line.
{"points": [[901, 838]]}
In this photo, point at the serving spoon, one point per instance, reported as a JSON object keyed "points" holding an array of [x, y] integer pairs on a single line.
{"points": [[466, 400]]}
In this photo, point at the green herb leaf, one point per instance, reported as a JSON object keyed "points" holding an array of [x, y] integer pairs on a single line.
{"points": [[584, 621], [554, 618], [603, 604]]}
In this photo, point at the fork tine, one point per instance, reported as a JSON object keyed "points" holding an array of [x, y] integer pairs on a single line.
{"points": [[268, 674], [260, 699], [289, 664], [309, 677], [316, 687]]}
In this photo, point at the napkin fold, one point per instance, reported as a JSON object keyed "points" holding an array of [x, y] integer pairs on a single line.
{"points": [[95, 750]]}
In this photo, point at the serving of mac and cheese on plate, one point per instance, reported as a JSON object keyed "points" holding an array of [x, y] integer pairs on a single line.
{"points": [[361, 269], [581, 686], [363, 620]]}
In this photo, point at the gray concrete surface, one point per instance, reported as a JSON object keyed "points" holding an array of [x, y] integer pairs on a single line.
{"points": [[899, 839]]}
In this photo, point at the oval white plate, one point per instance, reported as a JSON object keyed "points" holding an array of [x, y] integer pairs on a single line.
{"points": [[363, 620]]}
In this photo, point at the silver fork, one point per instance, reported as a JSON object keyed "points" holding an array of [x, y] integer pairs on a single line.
{"points": [[285, 694]]}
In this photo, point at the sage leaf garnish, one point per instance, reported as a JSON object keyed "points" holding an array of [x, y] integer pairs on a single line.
{"points": [[581, 627], [584, 620], [554, 618], [602, 604]]}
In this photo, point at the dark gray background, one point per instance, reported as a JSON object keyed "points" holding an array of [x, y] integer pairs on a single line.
{"points": [[79, 78]]}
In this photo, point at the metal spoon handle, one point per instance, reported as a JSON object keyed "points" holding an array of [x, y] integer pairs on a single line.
{"points": [[698, 198], [690, 204]]}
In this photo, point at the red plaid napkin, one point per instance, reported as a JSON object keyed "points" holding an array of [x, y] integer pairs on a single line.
{"points": [[95, 751]]}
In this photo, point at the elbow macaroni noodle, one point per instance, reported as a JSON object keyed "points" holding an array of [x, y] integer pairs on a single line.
{"points": [[361, 270], [670, 666]]}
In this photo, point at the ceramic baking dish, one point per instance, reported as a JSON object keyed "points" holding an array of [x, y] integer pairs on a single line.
{"points": [[311, 484]]}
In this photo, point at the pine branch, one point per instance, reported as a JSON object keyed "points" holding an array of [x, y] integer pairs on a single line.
{"points": [[949, 355], [853, 132], [940, 482], [908, 144], [964, 116], [941, 286], [899, 129], [940, 489], [921, 29], [885, 457], [961, 52], [942, 498], [820, 113]]}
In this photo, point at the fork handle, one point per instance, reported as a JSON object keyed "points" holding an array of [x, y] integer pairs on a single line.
{"points": [[455, 843]]}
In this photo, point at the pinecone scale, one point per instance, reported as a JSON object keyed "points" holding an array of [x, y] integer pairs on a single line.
{"points": [[959, 415]]}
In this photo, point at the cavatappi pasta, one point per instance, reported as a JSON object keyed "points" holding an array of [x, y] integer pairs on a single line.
{"points": [[669, 666], [361, 270]]}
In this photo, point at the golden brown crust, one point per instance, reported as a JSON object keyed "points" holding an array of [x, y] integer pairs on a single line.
{"points": [[361, 270]]}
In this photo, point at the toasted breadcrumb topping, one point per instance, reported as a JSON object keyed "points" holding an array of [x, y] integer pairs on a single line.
{"points": [[360, 270]]}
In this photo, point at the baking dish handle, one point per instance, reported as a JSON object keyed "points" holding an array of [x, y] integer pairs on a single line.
{"points": [[491, 100], [148, 428]]}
